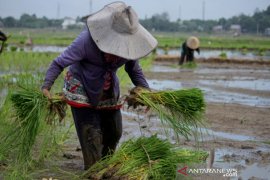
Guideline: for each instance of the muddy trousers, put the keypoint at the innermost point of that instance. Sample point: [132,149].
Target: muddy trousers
[98,131]
[189,56]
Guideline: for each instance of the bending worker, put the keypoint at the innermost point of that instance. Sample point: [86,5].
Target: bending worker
[3,38]
[113,38]
[188,47]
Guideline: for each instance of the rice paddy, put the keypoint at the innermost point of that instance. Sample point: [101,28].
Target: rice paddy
[38,155]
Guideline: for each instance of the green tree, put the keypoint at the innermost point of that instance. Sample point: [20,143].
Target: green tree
[10,21]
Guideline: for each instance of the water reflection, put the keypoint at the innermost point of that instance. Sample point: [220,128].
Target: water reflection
[40,48]
[231,54]
[255,84]
[164,84]
[218,96]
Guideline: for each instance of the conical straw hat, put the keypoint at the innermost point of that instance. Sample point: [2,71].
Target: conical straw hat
[116,30]
[193,42]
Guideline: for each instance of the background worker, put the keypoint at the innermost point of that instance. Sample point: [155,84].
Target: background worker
[188,47]
[3,38]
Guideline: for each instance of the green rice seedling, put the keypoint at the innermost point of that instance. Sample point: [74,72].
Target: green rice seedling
[181,110]
[31,109]
[244,51]
[25,61]
[223,55]
[260,52]
[189,65]
[144,158]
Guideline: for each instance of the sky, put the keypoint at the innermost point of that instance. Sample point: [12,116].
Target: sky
[185,10]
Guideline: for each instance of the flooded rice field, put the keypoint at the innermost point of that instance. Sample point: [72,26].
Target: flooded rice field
[238,113]
[237,118]
[219,84]
[230,54]
[204,53]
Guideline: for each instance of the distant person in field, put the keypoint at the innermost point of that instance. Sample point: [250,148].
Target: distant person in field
[3,38]
[112,38]
[188,47]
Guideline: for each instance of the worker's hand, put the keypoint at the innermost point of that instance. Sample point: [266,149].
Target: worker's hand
[132,100]
[47,93]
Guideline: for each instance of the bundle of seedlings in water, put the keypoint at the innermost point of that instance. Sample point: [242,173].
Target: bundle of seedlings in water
[181,110]
[144,158]
[31,108]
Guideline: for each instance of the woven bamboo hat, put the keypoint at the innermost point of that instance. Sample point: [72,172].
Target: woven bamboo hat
[193,42]
[116,30]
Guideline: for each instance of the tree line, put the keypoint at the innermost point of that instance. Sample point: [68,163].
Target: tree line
[258,22]
[31,21]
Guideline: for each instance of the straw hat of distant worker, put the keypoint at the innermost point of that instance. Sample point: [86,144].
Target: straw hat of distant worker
[116,30]
[193,42]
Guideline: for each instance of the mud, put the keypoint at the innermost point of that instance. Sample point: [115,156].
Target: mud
[235,54]
[237,120]
[238,111]
[168,59]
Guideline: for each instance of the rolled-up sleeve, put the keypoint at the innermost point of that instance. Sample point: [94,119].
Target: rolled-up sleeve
[135,73]
[74,53]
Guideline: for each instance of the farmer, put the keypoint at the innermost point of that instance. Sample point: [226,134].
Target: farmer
[3,38]
[187,50]
[113,38]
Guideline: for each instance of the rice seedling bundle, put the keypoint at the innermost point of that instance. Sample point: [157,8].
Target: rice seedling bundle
[31,108]
[182,110]
[144,158]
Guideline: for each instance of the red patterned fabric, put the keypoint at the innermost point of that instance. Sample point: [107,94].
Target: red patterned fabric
[76,97]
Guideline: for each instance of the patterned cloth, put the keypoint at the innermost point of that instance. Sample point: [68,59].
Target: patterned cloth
[86,63]
[76,96]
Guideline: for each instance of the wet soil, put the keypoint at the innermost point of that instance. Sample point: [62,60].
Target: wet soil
[237,113]
[237,134]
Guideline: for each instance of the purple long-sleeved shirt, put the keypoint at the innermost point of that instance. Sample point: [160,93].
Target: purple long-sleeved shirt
[87,64]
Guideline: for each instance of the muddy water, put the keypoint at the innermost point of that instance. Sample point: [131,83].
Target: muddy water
[140,119]
[158,68]
[217,83]
[249,86]
[164,84]
[45,48]
[208,134]
[232,158]
[226,71]
[231,54]
[240,82]
[245,160]
[203,53]
[218,96]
